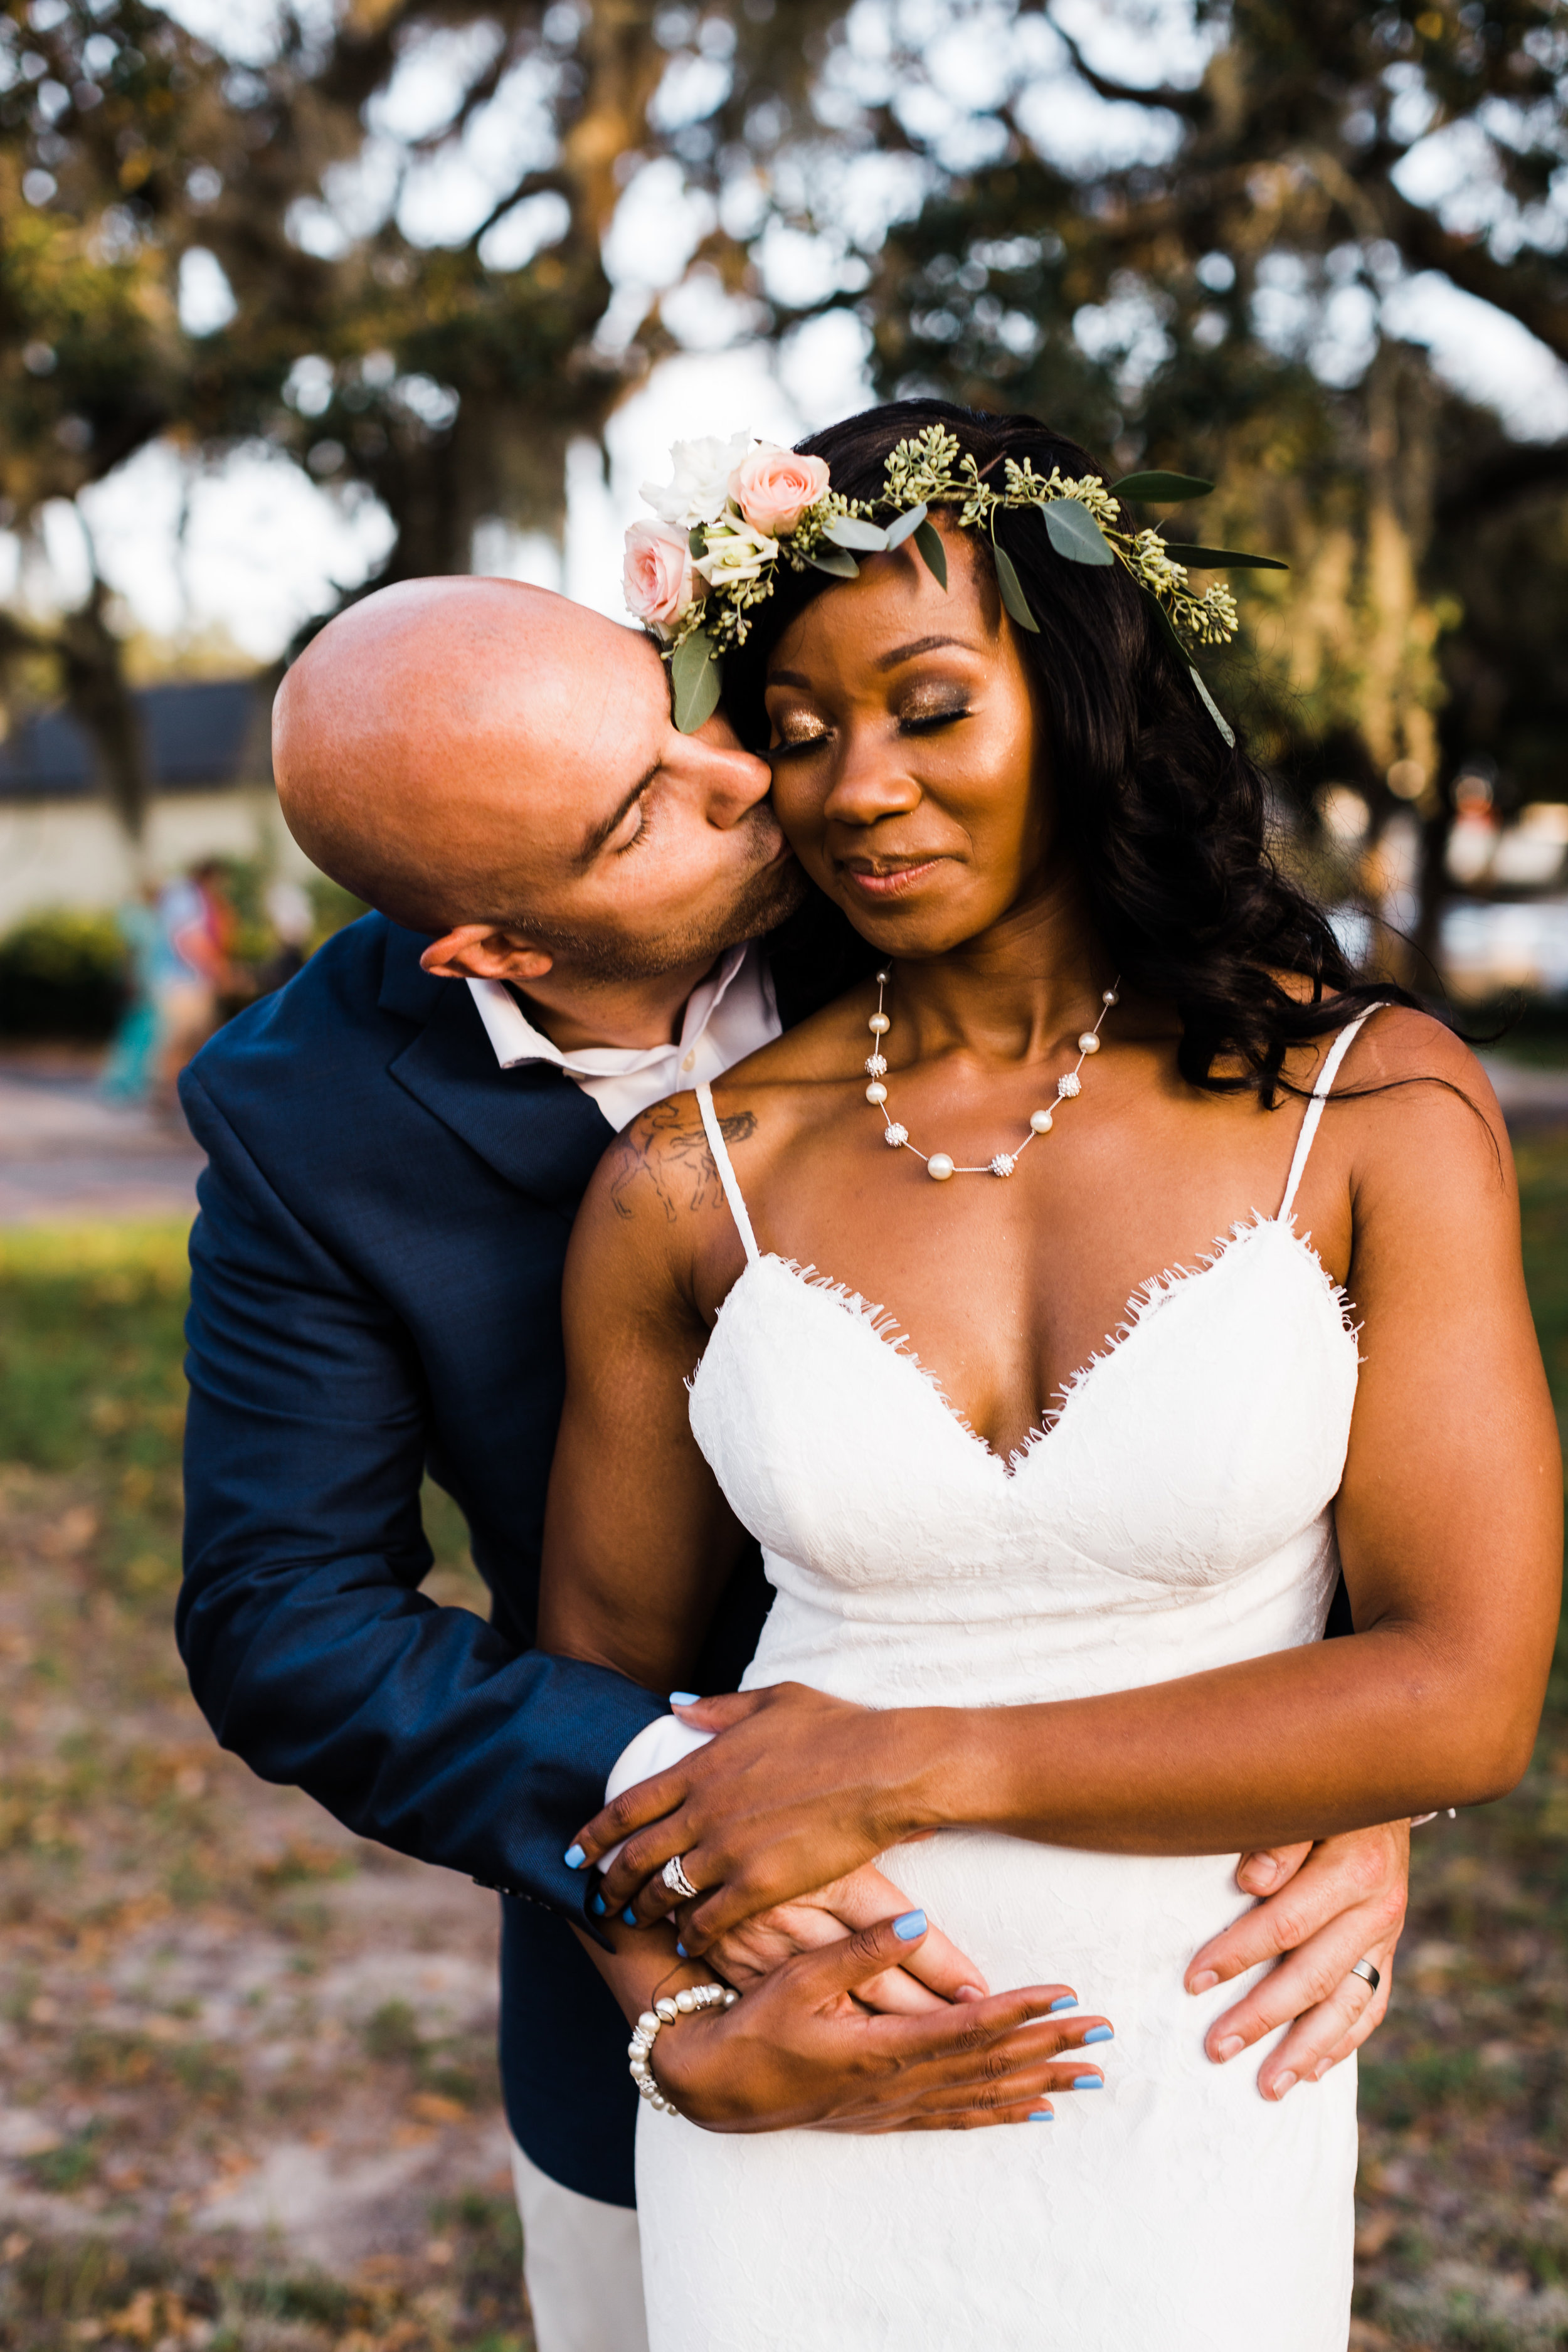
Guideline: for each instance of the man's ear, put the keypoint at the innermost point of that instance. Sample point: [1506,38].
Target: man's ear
[481,952]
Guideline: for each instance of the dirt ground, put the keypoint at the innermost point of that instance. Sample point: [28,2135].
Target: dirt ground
[248,2093]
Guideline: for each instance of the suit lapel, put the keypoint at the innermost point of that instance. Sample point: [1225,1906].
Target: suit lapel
[531,1126]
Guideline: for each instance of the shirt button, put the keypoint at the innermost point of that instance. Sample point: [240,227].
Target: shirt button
[690,1061]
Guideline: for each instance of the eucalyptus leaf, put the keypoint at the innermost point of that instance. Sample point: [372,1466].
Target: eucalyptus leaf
[1167,628]
[1214,709]
[696,541]
[1075,533]
[837,560]
[853,530]
[1162,489]
[900,529]
[1220,559]
[696,677]
[928,538]
[1012,589]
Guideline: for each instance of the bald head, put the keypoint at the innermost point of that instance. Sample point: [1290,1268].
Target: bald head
[417,740]
[476,755]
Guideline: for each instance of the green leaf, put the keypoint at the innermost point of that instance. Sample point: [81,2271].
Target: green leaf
[837,560]
[853,530]
[928,538]
[1213,708]
[1012,589]
[696,541]
[1167,628]
[696,675]
[1075,533]
[1220,559]
[1164,490]
[900,529]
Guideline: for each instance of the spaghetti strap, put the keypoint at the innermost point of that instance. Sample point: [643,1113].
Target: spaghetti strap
[1326,1077]
[715,1145]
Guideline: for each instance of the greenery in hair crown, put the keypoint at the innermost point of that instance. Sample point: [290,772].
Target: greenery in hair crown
[734,510]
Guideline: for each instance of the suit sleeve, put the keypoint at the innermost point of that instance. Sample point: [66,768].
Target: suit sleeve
[310,1648]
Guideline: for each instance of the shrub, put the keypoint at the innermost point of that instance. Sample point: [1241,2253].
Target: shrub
[62,974]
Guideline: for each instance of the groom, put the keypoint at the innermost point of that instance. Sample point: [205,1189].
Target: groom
[581,910]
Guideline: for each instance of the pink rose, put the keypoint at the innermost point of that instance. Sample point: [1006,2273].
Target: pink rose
[773,488]
[657,575]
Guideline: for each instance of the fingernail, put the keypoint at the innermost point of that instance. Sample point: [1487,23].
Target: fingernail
[630,1915]
[680,1951]
[598,1907]
[1320,2069]
[683,1698]
[1282,2082]
[1087,2082]
[970,1993]
[1205,1980]
[574,1857]
[1041,2115]
[912,1924]
[1068,2001]
[1263,1873]
[1099,2034]
[1230,2048]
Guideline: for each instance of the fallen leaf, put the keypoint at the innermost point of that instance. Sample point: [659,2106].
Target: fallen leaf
[431,2108]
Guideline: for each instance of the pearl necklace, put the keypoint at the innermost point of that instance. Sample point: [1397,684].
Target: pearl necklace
[940,1165]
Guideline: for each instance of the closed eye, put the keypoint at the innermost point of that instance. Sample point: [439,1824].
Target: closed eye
[926,723]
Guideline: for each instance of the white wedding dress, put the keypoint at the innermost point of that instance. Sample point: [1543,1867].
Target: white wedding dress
[1175,1515]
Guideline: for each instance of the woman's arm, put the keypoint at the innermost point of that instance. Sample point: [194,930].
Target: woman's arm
[639,1540]
[1449,1521]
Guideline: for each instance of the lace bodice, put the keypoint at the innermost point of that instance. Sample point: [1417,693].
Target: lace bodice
[1174,1513]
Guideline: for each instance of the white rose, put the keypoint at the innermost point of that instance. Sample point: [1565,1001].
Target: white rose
[738,552]
[700,479]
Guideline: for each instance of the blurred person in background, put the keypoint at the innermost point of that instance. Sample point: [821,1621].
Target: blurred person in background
[190,967]
[131,1065]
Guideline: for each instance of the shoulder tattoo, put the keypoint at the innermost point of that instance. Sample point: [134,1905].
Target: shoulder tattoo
[666,1149]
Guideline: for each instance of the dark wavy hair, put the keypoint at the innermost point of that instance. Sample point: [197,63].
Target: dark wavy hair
[1165,820]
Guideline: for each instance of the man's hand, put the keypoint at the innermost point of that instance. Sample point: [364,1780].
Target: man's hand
[1327,1907]
[800,2049]
[933,1974]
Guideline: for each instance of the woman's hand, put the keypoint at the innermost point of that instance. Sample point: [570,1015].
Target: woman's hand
[799,2050]
[797,1790]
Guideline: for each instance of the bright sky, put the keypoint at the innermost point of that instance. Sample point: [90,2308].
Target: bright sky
[257,546]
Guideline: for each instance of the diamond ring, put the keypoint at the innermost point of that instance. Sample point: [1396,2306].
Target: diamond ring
[675,1878]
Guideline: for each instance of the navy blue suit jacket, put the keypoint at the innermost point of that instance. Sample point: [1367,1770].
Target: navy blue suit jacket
[375,1290]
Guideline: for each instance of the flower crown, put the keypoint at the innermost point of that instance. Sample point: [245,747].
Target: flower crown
[733,510]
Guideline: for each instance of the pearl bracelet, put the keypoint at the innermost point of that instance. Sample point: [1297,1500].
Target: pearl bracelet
[651,2024]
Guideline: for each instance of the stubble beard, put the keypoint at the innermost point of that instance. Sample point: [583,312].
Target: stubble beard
[771,894]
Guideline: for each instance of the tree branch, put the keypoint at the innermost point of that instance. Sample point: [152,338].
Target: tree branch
[1189,103]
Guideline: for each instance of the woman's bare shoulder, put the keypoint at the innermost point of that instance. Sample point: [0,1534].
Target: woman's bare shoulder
[1426,1113]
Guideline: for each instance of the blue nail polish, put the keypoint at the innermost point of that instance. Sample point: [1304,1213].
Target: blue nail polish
[912,1924]
[1099,2034]
[1068,2001]
[630,1915]
[574,1857]
[1042,2115]
[683,1698]
[598,1907]
[1087,2083]
[680,1949]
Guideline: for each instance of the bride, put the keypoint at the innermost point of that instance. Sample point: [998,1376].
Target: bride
[1053,1595]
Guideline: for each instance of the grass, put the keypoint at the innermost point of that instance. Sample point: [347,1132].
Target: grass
[1463,2201]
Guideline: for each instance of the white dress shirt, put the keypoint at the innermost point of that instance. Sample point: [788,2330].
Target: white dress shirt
[731,1014]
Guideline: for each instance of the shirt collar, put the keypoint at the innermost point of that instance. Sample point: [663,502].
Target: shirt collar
[516,1042]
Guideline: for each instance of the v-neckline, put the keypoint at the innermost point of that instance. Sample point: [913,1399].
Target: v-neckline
[883,1330]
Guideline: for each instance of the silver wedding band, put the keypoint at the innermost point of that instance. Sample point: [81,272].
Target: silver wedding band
[1364,1970]
[675,1878]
